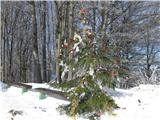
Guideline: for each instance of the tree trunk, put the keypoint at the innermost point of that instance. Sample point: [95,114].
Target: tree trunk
[35,51]
[70,28]
[44,44]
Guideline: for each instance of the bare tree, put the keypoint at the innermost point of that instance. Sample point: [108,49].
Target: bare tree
[38,77]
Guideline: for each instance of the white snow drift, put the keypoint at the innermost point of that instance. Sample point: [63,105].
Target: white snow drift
[139,103]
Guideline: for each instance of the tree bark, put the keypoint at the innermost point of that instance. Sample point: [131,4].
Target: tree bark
[70,27]
[44,44]
[35,51]
[58,43]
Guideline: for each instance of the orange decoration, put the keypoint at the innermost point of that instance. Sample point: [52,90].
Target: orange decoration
[71,40]
[82,12]
[89,34]
[65,45]
[114,74]
[117,61]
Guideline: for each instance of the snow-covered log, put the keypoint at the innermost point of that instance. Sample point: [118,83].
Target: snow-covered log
[52,93]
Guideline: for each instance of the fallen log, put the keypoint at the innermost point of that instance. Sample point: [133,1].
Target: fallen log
[51,93]
[20,85]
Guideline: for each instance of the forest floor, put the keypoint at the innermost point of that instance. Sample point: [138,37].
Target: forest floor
[138,103]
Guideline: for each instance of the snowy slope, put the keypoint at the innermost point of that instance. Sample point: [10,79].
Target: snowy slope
[139,103]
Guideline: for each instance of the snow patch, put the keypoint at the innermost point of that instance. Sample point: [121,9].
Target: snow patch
[139,103]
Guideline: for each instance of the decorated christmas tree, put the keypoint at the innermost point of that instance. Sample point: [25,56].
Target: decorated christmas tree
[94,65]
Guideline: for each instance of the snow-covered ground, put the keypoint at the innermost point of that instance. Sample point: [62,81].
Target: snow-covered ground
[139,103]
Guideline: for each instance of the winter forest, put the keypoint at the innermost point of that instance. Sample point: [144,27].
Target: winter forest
[80,60]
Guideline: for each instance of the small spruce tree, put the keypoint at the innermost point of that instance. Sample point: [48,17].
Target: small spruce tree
[94,66]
